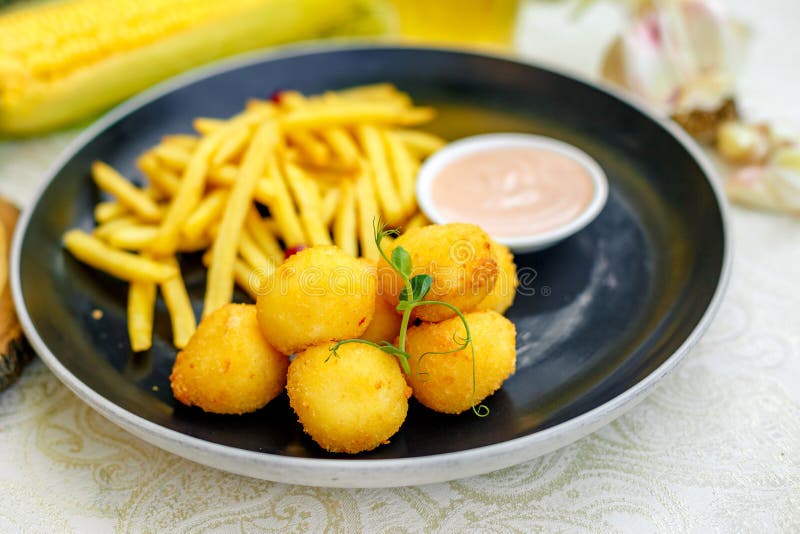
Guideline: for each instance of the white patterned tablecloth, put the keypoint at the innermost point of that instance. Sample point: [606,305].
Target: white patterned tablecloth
[716,447]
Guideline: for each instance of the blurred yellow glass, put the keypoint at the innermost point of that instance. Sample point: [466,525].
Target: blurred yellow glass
[464,22]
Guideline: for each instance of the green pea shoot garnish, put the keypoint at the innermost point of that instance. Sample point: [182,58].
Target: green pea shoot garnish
[415,288]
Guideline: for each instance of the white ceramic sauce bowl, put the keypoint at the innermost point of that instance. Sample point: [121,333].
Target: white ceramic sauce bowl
[434,165]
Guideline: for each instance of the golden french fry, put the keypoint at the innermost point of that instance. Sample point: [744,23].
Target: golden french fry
[208,211]
[345,233]
[173,157]
[115,262]
[232,146]
[184,141]
[312,149]
[262,235]
[194,245]
[188,195]
[109,210]
[282,208]
[271,225]
[127,194]
[418,220]
[378,92]
[179,306]
[206,125]
[405,170]
[219,287]
[346,113]
[141,304]
[421,144]
[132,237]
[306,194]
[160,177]
[250,280]
[367,208]
[329,204]
[106,229]
[342,145]
[386,189]
[250,251]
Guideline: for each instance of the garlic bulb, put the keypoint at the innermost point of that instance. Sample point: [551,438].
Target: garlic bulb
[679,55]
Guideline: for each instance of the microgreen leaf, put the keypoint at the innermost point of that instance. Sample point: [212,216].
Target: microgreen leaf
[420,285]
[401,260]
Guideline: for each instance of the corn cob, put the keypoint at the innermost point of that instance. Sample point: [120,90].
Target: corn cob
[67,60]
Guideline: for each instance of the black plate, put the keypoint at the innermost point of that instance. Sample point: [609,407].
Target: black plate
[600,312]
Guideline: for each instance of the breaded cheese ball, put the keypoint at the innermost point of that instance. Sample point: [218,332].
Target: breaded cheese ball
[459,258]
[443,382]
[351,402]
[317,295]
[227,366]
[501,297]
[385,323]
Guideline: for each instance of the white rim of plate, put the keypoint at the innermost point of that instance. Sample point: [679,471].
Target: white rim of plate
[433,166]
[357,472]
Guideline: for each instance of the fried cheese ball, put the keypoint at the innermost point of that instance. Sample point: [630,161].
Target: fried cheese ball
[459,258]
[385,323]
[227,366]
[317,295]
[443,382]
[350,402]
[501,297]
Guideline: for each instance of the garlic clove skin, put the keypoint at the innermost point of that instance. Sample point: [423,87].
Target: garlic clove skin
[679,55]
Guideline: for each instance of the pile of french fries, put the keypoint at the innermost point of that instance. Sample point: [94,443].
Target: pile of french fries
[325,167]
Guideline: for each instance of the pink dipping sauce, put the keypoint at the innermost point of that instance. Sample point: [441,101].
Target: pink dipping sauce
[513,192]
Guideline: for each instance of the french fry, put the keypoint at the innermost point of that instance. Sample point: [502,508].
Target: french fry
[262,235]
[306,194]
[378,92]
[141,303]
[194,245]
[312,149]
[421,144]
[342,145]
[418,220]
[282,208]
[132,237]
[249,250]
[106,229]
[232,146]
[108,210]
[219,287]
[330,201]
[250,280]
[115,262]
[272,226]
[160,177]
[347,113]
[188,195]
[345,233]
[405,169]
[184,141]
[130,196]
[208,211]
[174,157]
[384,186]
[206,125]
[367,208]
[179,306]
